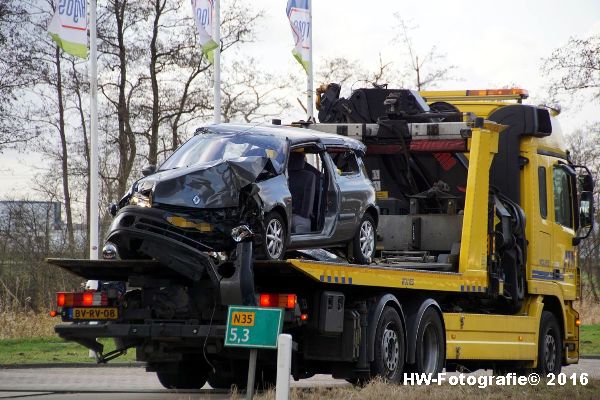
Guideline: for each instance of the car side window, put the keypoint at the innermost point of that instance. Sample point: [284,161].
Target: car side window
[563,209]
[345,161]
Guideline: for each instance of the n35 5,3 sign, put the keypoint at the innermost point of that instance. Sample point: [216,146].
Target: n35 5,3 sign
[253,327]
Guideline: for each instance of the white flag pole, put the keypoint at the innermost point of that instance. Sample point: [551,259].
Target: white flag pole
[217,62]
[309,83]
[93,228]
[93,136]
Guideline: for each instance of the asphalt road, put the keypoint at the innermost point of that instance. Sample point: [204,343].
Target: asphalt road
[108,383]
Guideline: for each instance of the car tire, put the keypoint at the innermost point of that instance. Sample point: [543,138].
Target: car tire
[363,243]
[274,240]
[549,346]
[390,348]
[182,375]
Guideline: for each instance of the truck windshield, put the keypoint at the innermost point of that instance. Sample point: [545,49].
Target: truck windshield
[210,147]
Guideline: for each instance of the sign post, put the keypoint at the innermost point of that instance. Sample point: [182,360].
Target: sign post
[254,328]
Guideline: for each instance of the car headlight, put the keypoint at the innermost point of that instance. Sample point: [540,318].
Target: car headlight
[109,251]
[241,232]
[138,199]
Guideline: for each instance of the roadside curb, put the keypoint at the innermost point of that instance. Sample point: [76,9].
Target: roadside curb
[127,365]
[73,365]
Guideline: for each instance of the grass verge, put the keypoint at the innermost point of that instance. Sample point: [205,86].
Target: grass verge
[590,340]
[51,350]
[379,390]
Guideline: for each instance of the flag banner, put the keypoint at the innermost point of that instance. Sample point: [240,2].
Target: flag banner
[203,16]
[68,26]
[298,12]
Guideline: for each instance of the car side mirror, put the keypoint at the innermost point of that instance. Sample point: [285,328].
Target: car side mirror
[148,170]
[112,209]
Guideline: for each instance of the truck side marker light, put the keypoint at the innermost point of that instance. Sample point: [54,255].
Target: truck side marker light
[578,322]
[53,313]
[304,317]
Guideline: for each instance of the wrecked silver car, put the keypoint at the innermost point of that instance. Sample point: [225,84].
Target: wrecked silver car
[288,188]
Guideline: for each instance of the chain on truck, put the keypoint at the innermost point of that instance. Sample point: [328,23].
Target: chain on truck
[481,211]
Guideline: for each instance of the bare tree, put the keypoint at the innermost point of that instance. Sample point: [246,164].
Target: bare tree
[584,145]
[17,66]
[250,95]
[427,67]
[575,67]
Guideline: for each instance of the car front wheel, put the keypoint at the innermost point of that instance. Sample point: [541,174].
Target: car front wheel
[363,244]
[274,237]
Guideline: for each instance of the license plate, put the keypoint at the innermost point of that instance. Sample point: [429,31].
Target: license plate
[242,318]
[94,314]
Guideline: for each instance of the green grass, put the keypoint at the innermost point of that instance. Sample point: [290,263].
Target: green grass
[51,350]
[590,340]
[55,350]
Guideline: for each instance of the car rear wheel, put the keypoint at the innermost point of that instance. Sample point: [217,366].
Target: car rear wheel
[363,244]
[274,237]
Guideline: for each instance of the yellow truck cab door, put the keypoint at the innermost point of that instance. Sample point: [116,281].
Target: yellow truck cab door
[562,210]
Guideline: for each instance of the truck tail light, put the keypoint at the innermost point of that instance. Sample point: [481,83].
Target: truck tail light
[278,300]
[85,299]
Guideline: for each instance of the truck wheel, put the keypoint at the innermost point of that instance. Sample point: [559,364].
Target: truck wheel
[390,348]
[549,345]
[430,354]
[363,244]
[218,381]
[274,237]
[264,379]
[182,375]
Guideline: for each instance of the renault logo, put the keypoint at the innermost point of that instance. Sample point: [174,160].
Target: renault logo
[196,199]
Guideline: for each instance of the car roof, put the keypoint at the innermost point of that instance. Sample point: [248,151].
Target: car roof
[293,134]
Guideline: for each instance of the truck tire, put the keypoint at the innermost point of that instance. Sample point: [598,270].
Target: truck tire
[274,240]
[363,243]
[549,345]
[390,347]
[182,375]
[265,379]
[430,351]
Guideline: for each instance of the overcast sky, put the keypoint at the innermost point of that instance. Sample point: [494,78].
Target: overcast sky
[493,44]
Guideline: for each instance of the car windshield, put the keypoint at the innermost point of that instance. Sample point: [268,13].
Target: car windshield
[208,147]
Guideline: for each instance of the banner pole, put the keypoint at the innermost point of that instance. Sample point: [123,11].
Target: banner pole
[93,135]
[93,228]
[217,63]
[309,83]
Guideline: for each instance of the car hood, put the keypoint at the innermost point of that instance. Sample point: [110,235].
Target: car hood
[212,185]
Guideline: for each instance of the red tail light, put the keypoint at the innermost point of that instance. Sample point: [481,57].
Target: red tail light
[88,299]
[60,299]
[277,300]
[85,299]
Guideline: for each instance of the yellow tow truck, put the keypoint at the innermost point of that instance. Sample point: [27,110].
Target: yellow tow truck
[480,214]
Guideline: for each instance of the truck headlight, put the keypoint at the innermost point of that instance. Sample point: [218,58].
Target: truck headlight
[241,232]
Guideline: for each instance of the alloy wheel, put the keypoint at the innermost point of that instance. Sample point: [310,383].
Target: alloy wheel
[274,239]
[367,239]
